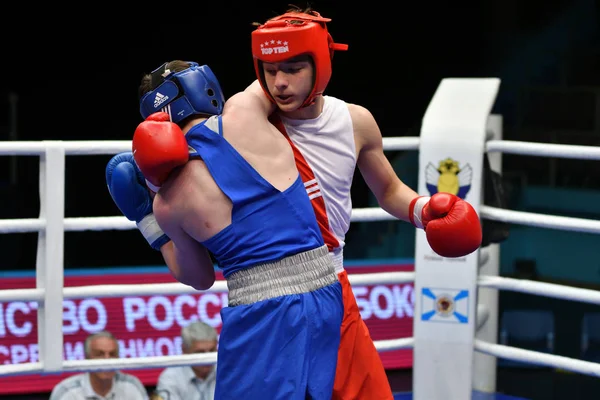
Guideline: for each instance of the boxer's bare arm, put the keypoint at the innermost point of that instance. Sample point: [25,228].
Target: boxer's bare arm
[256,90]
[187,259]
[392,194]
[246,109]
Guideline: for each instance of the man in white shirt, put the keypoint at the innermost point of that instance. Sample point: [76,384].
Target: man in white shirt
[101,385]
[191,382]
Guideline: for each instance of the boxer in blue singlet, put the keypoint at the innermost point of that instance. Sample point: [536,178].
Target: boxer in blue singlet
[225,182]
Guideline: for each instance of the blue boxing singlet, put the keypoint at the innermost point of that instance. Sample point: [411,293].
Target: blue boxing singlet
[267,224]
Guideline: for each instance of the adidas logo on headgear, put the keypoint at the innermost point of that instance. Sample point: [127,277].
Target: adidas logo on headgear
[159,99]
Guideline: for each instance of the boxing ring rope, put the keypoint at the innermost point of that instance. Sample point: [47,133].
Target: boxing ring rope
[100,291]
[52,154]
[359,215]
[537,358]
[50,268]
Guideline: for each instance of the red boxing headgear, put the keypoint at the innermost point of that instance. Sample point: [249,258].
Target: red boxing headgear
[290,35]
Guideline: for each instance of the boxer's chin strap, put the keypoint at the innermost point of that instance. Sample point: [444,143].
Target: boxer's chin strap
[416,217]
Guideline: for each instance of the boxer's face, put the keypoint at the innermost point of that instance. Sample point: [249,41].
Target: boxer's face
[289,82]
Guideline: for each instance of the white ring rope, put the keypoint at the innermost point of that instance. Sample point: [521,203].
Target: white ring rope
[72,147]
[540,288]
[358,215]
[401,143]
[540,220]
[106,147]
[117,290]
[121,223]
[363,214]
[495,282]
[158,361]
[109,364]
[394,344]
[544,149]
[538,358]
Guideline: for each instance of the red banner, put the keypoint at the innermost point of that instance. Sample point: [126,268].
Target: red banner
[151,325]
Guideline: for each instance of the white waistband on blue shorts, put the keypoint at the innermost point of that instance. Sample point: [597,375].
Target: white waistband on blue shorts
[300,273]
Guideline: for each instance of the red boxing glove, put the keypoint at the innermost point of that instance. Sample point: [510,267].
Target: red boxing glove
[451,224]
[159,146]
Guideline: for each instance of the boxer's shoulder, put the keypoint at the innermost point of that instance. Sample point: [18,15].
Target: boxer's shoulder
[366,130]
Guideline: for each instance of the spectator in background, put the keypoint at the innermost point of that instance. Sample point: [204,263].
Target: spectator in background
[101,385]
[191,382]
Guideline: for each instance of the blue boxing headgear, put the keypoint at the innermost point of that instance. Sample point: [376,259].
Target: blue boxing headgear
[194,90]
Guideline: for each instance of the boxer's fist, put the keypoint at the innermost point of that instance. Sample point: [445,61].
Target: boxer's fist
[452,226]
[127,187]
[159,146]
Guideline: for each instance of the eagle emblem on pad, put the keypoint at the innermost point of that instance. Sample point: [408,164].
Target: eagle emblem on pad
[448,177]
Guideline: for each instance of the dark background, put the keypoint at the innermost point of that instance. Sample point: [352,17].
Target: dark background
[73,72]
[76,74]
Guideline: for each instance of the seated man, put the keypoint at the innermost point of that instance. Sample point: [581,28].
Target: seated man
[102,384]
[191,382]
[230,186]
